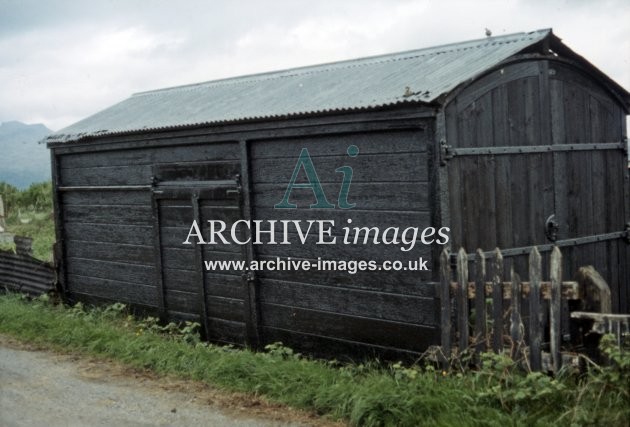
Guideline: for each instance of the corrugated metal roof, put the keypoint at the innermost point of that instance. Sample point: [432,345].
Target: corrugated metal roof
[414,76]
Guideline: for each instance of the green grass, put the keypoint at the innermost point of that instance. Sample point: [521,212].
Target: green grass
[366,394]
[41,230]
[35,206]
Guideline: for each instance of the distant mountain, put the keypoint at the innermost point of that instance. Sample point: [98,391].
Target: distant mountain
[23,160]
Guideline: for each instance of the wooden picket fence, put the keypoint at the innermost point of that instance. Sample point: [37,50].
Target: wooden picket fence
[521,317]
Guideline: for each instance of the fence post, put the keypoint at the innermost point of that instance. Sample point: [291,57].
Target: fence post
[595,290]
[445,303]
[480,301]
[462,299]
[497,301]
[534,309]
[554,307]
[515,318]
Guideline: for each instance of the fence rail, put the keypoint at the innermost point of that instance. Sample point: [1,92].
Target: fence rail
[480,310]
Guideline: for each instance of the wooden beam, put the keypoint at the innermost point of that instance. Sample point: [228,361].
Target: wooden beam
[570,289]
[535,311]
[555,326]
[480,302]
[445,305]
[252,303]
[497,302]
[462,299]
[594,290]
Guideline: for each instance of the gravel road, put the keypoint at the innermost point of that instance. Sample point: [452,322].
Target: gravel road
[39,388]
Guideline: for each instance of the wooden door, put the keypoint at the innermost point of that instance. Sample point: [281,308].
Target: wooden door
[192,287]
[535,155]
[500,173]
[590,181]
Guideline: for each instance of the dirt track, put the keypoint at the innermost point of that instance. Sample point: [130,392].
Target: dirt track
[39,388]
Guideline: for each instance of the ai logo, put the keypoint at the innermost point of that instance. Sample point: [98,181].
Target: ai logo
[305,162]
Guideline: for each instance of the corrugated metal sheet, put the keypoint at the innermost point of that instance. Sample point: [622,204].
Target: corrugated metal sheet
[414,76]
[22,273]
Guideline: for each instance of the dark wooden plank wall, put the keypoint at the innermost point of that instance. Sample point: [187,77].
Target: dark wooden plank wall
[584,112]
[328,311]
[109,243]
[109,251]
[504,200]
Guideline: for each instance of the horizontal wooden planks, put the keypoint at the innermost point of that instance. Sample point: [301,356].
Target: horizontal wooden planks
[218,307]
[174,237]
[148,156]
[108,214]
[113,290]
[305,322]
[225,290]
[335,299]
[403,196]
[394,167]
[392,141]
[135,166]
[217,283]
[339,251]
[337,348]
[106,197]
[224,285]
[131,254]
[181,215]
[106,175]
[109,233]
[358,217]
[397,282]
[226,331]
[131,273]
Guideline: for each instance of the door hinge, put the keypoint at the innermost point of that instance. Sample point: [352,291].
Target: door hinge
[248,276]
[239,186]
[445,152]
[626,233]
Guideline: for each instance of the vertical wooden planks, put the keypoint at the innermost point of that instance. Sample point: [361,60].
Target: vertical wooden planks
[554,307]
[501,191]
[535,332]
[497,302]
[516,329]
[252,303]
[445,305]
[59,250]
[157,248]
[442,178]
[624,265]
[462,299]
[480,301]
[199,270]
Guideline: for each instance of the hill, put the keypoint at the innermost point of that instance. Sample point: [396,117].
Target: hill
[23,160]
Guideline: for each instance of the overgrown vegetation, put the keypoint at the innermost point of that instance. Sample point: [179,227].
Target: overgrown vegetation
[371,394]
[30,213]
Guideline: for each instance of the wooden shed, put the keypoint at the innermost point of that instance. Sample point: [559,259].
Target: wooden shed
[508,141]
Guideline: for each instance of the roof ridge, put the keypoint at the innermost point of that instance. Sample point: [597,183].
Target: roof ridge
[344,64]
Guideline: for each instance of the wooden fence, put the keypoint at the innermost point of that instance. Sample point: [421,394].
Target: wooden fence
[482,311]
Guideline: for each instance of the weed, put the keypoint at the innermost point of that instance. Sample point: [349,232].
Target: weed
[29,214]
[371,394]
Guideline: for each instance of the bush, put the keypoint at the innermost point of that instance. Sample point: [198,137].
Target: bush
[35,206]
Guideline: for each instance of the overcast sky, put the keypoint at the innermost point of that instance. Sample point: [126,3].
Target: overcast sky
[61,61]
